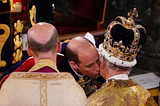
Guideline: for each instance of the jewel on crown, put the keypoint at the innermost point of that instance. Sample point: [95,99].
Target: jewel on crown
[116,48]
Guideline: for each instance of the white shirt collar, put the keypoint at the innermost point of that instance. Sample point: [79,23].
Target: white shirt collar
[75,71]
[119,77]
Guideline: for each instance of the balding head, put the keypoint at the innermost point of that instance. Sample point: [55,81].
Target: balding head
[78,45]
[83,57]
[42,37]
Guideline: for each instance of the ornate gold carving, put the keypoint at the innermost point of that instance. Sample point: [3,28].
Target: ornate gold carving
[15,7]
[17,41]
[32,13]
[18,27]
[17,55]
[3,39]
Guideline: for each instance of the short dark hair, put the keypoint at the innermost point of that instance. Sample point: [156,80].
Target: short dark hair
[48,46]
[72,55]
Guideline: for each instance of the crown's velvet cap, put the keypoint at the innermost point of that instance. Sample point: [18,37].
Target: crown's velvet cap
[123,40]
[119,32]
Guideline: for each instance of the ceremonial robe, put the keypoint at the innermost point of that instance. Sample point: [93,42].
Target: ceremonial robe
[41,86]
[121,92]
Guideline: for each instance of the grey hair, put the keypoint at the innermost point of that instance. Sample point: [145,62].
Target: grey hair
[112,67]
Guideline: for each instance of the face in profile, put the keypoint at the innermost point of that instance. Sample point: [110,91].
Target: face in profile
[89,63]
[103,66]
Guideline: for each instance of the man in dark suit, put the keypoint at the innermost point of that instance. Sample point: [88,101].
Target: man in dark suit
[82,61]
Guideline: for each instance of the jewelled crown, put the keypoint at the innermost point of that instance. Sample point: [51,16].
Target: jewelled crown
[123,40]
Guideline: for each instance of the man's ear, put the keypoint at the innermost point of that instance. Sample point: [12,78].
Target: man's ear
[29,51]
[59,47]
[73,65]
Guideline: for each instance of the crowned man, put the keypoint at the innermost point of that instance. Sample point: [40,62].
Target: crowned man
[123,40]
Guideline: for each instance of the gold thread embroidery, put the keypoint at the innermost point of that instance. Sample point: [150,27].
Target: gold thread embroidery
[43,92]
[40,76]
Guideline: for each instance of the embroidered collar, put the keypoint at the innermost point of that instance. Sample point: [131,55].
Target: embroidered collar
[120,77]
[80,76]
[42,63]
[116,77]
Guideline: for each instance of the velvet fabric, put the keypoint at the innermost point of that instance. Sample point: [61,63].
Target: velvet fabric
[120,33]
[14,1]
[45,70]
[126,35]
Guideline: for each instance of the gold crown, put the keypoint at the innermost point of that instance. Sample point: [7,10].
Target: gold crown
[117,49]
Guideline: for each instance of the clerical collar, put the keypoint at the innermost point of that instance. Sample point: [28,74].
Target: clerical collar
[119,77]
[79,75]
[43,63]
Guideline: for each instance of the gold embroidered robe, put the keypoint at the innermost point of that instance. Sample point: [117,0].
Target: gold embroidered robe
[121,93]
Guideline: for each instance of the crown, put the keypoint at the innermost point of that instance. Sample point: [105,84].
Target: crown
[123,40]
